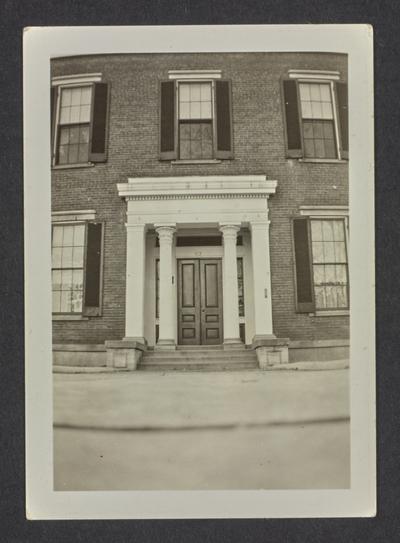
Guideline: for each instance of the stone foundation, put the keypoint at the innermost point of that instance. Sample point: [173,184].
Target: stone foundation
[271,352]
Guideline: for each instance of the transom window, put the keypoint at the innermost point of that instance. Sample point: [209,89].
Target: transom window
[68,243]
[329,262]
[317,120]
[74,125]
[195,120]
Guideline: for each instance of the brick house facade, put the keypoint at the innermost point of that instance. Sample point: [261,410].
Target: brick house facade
[271,142]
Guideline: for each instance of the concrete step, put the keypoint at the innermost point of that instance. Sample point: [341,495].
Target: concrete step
[215,359]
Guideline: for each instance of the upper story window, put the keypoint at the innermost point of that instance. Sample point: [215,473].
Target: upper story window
[79,120]
[195,116]
[316,116]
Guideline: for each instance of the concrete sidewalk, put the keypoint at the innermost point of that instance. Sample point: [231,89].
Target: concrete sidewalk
[199,431]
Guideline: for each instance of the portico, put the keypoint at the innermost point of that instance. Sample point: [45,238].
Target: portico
[186,237]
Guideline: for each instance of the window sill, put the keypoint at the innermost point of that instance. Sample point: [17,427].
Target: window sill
[324,160]
[72,166]
[69,318]
[207,161]
[331,313]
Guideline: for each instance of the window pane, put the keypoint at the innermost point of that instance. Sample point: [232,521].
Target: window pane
[319,148]
[320,299]
[325,92]
[56,279]
[195,92]
[341,274]
[77,257]
[196,152]
[65,115]
[184,110]
[330,274]
[318,251]
[195,110]
[63,154]
[84,134]
[338,230]
[340,250]
[185,149]
[319,274]
[77,279]
[205,92]
[56,257]
[84,116]
[316,109]
[56,301]
[318,130]
[329,252]
[184,92]
[66,280]
[76,301]
[74,115]
[327,230]
[86,95]
[64,135]
[306,110]
[305,91]
[327,110]
[330,149]
[309,149]
[66,306]
[66,257]
[57,236]
[315,92]
[316,230]
[330,297]
[76,96]
[66,97]
[205,110]
[342,297]
[83,153]
[73,154]
[74,134]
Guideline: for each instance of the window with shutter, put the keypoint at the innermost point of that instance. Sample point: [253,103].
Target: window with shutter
[321,264]
[77,252]
[316,121]
[79,123]
[195,120]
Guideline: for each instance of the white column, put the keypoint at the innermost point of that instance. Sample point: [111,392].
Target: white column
[167,324]
[135,282]
[262,280]
[230,285]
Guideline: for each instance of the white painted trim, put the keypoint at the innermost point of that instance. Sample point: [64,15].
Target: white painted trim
[324,211]
[76,215]
[194,74]
[203,186]
[314,74]
[76,79]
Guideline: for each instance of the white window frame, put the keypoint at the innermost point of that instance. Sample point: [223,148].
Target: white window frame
[322,77]
[64,82]
[325,213]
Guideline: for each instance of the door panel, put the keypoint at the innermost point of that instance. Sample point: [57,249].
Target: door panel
[188,302]
[199,302]
[211,301]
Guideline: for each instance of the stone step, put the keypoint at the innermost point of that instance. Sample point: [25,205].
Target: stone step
[200,354]
[215,366]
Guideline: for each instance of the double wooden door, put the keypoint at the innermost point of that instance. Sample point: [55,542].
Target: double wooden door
[200,301]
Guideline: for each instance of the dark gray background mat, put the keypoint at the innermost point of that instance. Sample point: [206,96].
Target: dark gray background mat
[385,18]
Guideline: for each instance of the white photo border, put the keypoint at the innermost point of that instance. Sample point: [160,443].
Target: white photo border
[40,44]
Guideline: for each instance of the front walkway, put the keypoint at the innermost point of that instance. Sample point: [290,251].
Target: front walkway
[219,430]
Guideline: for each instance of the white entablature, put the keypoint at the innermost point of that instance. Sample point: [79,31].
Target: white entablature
[239,199]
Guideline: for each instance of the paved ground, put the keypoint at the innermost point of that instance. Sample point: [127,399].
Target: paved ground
[219,430]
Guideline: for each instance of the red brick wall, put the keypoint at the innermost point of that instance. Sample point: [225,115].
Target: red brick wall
[258,149]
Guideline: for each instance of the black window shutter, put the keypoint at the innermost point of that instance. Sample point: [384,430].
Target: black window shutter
[98,136]
[224,128]
[292,117]
[53,114]
[93,269]
[304,281]
[341,93]
[168,120]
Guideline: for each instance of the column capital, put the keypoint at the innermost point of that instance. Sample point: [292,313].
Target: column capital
[165,232]
[229,231]
[135,226]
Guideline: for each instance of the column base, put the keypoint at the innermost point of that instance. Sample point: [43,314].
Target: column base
[165,345]
[271,351]
[232,343]
[125,354]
